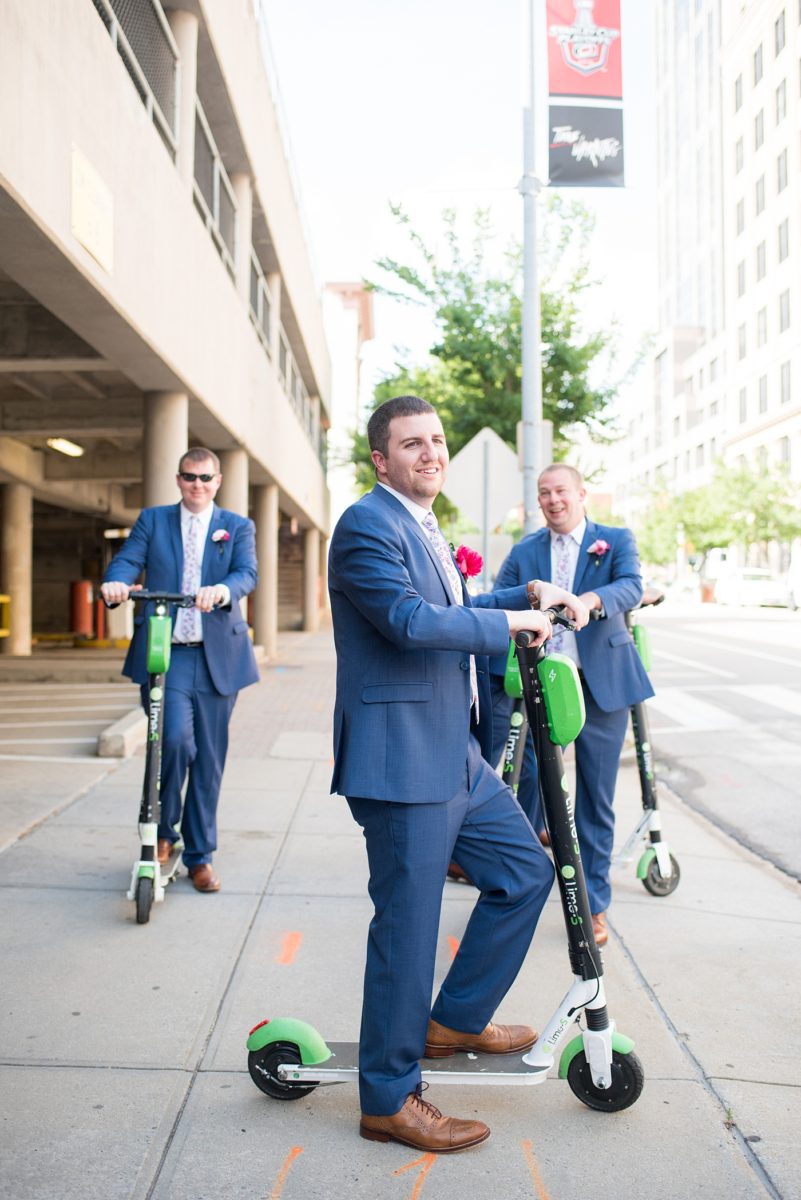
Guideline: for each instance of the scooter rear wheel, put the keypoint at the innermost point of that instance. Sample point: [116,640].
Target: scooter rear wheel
[263,1066]
[659,885]
[628,1078]
[144,899]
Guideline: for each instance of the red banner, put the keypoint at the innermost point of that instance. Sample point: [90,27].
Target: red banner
[584,56]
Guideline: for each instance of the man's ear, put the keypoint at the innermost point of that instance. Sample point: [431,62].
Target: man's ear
[379,462]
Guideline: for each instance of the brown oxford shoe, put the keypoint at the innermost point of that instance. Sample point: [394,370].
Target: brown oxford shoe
[164,850]
[495,1039]
[423,1127]
[204,879]
[599,929]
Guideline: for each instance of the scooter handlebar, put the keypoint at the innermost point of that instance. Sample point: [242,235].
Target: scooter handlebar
[181,599]
[525,637]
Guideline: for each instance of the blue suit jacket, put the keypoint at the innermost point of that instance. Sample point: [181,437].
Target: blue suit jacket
[155,547]
[610,663]
[402,716]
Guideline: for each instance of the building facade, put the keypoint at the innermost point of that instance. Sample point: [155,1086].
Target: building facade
[156,291]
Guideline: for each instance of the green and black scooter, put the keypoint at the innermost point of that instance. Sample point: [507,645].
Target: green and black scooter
[149,878]
[288,1058]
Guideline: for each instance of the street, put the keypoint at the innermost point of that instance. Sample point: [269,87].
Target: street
[724,721]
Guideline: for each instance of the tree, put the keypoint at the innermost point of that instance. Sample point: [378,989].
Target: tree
[473,373]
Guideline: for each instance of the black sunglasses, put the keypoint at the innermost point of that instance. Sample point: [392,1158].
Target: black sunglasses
[190,477]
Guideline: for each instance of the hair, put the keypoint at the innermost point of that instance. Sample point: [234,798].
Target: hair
[578,478]
[196,454]
[398,406]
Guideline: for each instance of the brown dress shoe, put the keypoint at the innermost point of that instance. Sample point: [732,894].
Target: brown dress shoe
[456,873]
[423,1127]
[164,850]
[204,879]
[495,1039]
[599,929]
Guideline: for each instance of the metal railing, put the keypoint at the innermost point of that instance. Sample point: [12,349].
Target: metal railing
[139,31]
[260,307]
[212,191]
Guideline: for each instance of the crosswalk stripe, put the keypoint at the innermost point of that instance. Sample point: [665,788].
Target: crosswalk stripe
[692,713]
[775,697]
[697,666]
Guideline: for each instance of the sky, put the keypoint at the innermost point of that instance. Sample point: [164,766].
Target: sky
[420,102]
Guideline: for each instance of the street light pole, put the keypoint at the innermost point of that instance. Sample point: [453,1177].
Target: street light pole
[529,188]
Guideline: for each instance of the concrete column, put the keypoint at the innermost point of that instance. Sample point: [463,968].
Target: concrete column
[243,192]
[184,26]
[265,599]
[311,580]
[16,564]
[233,493]
[164,440]
[274,288]
[325,602]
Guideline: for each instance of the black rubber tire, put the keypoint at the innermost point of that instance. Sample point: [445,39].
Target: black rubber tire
[656,884]
[144,899]
[263,1064]
[628,1078]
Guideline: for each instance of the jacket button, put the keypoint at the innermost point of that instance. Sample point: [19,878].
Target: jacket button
[465,665]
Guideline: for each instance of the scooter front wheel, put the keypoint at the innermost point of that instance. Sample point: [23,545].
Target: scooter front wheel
[263,1067]
[144,899]
[661,885]
[628,1078]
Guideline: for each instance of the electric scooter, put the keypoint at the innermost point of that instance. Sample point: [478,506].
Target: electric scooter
[657,868]
[288,1058]
[149,878]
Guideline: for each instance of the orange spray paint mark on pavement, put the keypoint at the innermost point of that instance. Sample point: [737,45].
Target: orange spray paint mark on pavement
[289,948]
[531,1163]
[453,946]
[278,1186]
[425,1163]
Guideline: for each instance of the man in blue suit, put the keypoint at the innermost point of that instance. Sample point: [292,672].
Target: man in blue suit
[412,718]
[600,563]
[200,549]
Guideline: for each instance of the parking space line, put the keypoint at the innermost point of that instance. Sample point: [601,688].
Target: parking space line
[280,1179]
[531,1163]
[289,948]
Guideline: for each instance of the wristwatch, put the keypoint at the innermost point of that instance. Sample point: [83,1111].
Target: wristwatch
[531,590]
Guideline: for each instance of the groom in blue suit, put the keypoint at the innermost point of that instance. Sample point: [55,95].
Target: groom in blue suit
[200,549]
[600,564]
[412,723]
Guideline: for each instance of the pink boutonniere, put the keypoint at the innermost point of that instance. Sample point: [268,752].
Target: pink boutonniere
[599,548]
[469,562]
[221,536]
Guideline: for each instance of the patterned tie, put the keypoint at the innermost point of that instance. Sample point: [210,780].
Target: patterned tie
[187,624]
[435,536]
[562,579]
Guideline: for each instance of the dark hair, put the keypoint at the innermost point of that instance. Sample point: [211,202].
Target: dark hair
[196,454]
[398,406]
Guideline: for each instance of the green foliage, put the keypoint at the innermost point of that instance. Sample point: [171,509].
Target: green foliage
[473,374]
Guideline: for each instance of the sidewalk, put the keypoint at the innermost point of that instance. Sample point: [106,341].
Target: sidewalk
[122,1050]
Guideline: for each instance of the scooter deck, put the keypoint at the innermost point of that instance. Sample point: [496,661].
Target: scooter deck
[458,1068]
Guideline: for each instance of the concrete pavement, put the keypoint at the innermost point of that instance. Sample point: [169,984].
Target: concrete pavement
[122,1057]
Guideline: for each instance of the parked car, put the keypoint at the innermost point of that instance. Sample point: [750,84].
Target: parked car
[753,585]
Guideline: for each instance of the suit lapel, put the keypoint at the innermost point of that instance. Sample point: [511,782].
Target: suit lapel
[215,523]
[176,541]
[590,534]
[542,554]
[385,497]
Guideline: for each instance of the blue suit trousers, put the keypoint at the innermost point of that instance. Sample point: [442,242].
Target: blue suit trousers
[195,743]
[409,847]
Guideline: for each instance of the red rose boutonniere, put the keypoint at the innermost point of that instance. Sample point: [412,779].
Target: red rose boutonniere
[469,562]
[599,548]
[221,536]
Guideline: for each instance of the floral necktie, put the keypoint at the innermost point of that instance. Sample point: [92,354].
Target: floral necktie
[435,536]
[187,623]
[562,579]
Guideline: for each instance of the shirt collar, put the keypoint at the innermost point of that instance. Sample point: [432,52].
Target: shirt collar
[204,517]
[417,511]
[576,534]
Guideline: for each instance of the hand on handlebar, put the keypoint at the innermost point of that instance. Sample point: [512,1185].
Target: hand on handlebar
[551,596]
[209,598]
[114,593]
[532,621]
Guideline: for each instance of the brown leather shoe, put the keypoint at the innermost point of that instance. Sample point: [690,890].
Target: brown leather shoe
[164,850]
[204,879]
[456,873]
[423,1127]
[599,929]
[496,1039]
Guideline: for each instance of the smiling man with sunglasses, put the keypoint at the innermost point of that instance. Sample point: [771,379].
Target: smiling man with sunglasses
[200,549]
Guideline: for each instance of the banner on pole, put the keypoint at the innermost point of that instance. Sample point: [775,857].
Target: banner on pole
[585,64]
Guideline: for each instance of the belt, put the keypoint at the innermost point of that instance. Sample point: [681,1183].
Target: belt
[188,645]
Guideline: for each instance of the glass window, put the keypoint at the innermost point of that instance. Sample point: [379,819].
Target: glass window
[784,451]
[784,378]
[758,63]
[759,128]
[762,326]
[743,406]
[762,458]
[759,194]
[740,216]
[713,409]
[781,101]
[741,342]
[779,34]
[738,155]
[784,239]
[781,171]
[699,456]
[738,93]
[784,311]
[763,393]
[713,370]
[741,279]
[760,261]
